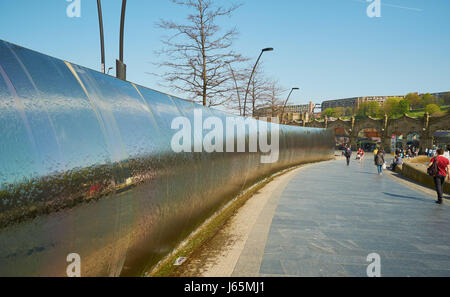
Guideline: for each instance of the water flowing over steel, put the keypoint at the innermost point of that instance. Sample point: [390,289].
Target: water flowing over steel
[86,167]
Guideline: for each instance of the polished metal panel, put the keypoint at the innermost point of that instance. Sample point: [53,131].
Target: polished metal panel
[86,167]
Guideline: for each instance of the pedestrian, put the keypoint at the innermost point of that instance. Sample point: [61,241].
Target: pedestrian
[443,169]
[361,154]
[447,152]
[397,161]
[379,162]
[348,154]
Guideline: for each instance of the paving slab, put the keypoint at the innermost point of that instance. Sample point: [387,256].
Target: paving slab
[330,217]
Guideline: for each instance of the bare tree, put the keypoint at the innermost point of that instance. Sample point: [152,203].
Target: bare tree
[198,54]
[274,101]
[263,93]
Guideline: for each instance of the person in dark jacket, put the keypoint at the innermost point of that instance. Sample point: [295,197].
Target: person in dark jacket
[348,154]
[379,161]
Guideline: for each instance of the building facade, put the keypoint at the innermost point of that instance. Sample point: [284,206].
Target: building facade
[289,109]
[355,102]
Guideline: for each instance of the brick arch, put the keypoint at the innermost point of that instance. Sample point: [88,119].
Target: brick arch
[341,124]
[405,125]
[368,123]
[425,127]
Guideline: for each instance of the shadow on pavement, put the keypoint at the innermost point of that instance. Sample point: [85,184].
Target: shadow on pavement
[408,197]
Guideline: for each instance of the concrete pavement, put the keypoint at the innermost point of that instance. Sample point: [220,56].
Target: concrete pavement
[330,217]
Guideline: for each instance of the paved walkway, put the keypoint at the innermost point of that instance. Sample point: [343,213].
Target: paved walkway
[330,217]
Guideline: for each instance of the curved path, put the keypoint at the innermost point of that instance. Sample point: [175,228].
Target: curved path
[325,219]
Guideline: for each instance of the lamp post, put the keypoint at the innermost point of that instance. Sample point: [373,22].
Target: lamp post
[285,103]
[237,88]
[121,68]
[102,40]
[269,49]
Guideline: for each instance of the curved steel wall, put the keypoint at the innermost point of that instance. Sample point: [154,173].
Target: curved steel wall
[86,167]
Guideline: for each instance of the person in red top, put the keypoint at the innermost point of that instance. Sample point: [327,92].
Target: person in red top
[443,171]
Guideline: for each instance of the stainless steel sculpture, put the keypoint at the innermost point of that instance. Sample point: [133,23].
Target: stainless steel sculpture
[86,167]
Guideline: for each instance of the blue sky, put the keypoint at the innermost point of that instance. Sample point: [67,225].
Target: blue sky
[329,48]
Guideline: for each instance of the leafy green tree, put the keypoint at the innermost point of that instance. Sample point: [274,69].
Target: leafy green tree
[349,111]
[373,108]
[392,106]
[362,110]
[329,112]
[432,109]
[428,99]
[403,106]
[415,101]
[338,112]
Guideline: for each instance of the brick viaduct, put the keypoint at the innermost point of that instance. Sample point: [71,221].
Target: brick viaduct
[425,127]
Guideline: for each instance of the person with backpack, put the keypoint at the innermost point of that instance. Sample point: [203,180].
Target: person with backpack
[379,161]
[439,168]
[348,154]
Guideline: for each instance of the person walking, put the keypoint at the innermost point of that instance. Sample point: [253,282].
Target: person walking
[379,161]
[348,154]
[443,171]
[361,154]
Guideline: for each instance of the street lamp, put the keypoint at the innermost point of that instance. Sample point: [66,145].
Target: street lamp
[121,68]
[237,88]
[285,103]
[269,49]
[102,42]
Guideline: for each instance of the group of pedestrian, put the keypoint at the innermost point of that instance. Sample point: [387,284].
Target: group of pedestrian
[438,167]
[410,152]
[431,152]
[378,159]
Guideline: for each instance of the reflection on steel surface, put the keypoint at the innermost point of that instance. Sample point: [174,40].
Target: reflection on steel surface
[86,167]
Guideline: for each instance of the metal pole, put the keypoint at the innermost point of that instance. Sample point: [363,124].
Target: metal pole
[237,89]
[251,76]
[121,68]
[285,103]
[102,40]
